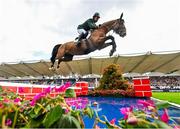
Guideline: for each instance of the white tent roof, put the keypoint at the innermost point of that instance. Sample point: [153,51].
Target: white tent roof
[166,63]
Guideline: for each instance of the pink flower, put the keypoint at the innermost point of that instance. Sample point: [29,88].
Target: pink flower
[60,89]
[63,87]
[176,127]
[165,116]
[113,121]
[145,103]
[125,111]
[68,84]
[6,100]
[8,122]
[33,102]
[97,127]
[17,100]
[1,105]
[21,89]
[47,90]
[38,96]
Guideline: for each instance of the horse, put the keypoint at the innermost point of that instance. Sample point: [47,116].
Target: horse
[97,40]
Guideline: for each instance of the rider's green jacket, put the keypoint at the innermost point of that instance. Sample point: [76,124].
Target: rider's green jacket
[88,25]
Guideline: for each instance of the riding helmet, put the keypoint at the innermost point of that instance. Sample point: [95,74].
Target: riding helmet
[96,15]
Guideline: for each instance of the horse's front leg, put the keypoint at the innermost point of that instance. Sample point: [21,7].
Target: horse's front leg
[112,43]
[105,45]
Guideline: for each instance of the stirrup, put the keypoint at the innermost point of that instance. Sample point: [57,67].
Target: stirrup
[76,38]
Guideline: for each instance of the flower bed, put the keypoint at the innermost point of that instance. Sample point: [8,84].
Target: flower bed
[46,112]
[114,93]
[144,115]
[41,112]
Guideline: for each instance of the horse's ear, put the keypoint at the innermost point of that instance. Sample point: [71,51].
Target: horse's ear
[121,16]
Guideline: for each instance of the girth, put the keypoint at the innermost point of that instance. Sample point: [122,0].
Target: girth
[90,46]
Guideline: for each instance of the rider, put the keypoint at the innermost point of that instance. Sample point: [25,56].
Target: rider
[83,29]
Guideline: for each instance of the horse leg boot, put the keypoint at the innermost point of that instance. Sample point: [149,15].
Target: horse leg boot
[113,43]
[113,49]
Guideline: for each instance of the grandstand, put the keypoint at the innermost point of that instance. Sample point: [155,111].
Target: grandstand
[163,68]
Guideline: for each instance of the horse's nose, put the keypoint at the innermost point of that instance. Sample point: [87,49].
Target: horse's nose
[123,34]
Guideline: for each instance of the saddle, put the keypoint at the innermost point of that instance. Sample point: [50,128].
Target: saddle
[89,46]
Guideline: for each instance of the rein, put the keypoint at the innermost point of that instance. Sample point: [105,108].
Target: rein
[111,27]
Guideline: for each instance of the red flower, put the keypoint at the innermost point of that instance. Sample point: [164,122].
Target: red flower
[113,121]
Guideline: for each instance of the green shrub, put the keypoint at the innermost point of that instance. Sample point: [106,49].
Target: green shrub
[70,93]
[112,78]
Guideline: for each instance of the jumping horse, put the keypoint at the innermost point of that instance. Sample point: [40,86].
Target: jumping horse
[97,40]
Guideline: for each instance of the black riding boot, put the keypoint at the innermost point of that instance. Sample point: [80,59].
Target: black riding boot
[79,39]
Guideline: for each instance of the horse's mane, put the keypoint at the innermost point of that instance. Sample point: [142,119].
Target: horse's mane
[107,23]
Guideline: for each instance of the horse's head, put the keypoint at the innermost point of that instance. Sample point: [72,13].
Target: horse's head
[119,27]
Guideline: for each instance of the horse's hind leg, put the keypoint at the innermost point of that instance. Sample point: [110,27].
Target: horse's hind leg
[54,53]
[52,62]
[60,55]
[67,57]
[59,61]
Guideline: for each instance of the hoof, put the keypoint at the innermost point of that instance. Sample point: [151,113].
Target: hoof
[52,68]
[111,53]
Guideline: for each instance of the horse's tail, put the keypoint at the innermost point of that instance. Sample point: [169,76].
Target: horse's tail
[54,53]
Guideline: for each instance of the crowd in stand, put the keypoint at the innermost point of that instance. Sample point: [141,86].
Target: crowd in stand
[165,82]
[157,82]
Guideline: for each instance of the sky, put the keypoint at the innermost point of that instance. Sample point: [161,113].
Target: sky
[29,29]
